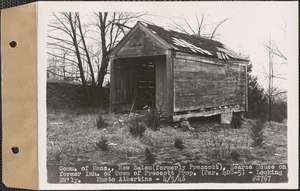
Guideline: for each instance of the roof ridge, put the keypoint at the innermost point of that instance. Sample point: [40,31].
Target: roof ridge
[190,35]
[196,44]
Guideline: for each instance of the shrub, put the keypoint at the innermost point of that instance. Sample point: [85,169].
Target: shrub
[149,156]
[153,119]
[102,144]
[257,100]
[136,126]
[279,111]
[221,149]
[58,156]
[101,123]
[179,143]
[236,121]
[235,155]
[257,133]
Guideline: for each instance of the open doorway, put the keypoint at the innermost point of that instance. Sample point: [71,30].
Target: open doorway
[144,84]
[137,82]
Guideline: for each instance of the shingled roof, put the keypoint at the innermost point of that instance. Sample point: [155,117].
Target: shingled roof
[194,44]
[184,43]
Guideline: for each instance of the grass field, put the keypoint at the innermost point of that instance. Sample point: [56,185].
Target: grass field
[72,136]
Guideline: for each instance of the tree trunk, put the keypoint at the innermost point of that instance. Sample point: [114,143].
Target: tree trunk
[94,101]
[74,39]
[104,61]
[270,82]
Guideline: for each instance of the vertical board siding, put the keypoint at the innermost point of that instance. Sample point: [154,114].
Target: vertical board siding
[161,84]
[170,76]
[123,85]
[112,84]
[200,85]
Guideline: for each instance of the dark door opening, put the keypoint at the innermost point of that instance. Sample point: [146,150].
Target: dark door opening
[123,85]
[145,84]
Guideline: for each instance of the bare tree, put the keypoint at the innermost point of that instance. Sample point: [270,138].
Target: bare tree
[203,28]
[112,26]
[68,33]
[274,65]
[273,48]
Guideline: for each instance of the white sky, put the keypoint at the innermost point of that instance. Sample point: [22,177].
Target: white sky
[250,26]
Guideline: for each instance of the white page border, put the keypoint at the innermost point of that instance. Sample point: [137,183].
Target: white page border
[45,8]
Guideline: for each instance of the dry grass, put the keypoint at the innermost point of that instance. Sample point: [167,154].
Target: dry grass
[72,138]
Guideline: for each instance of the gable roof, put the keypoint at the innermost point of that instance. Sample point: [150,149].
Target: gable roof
[183,43]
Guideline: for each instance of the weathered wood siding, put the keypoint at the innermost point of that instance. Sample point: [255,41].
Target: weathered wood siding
[127,82]
[141,44]
[161,84]
[200,85]
[123,86]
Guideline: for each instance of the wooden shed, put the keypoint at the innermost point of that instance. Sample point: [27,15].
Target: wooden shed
[184,76]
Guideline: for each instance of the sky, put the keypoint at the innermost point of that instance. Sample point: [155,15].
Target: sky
[250,26]
[248,29]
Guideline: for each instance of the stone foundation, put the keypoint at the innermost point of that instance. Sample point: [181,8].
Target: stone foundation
[226,118]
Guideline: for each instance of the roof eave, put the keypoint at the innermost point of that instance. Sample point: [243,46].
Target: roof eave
[123,41]
[156,37]
[127,37]
[242,61]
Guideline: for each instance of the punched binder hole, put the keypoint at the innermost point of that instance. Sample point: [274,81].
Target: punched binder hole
[13,44]
[15,150]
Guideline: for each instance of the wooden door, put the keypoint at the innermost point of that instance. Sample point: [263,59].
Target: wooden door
[124,86]
[145,84]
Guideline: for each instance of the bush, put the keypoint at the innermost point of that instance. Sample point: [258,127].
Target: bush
[153,119]
[149,156]
[101,123]
[221,149]
[235,155]
[102,144]
[257,133]
[257,100]
[279,111]
[136,126]
[179,143]
[236,121]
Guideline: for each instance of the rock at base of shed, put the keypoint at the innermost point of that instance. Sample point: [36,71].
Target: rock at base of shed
[185,124]
[226,118]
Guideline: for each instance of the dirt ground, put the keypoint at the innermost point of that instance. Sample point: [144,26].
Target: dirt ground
[72,136]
